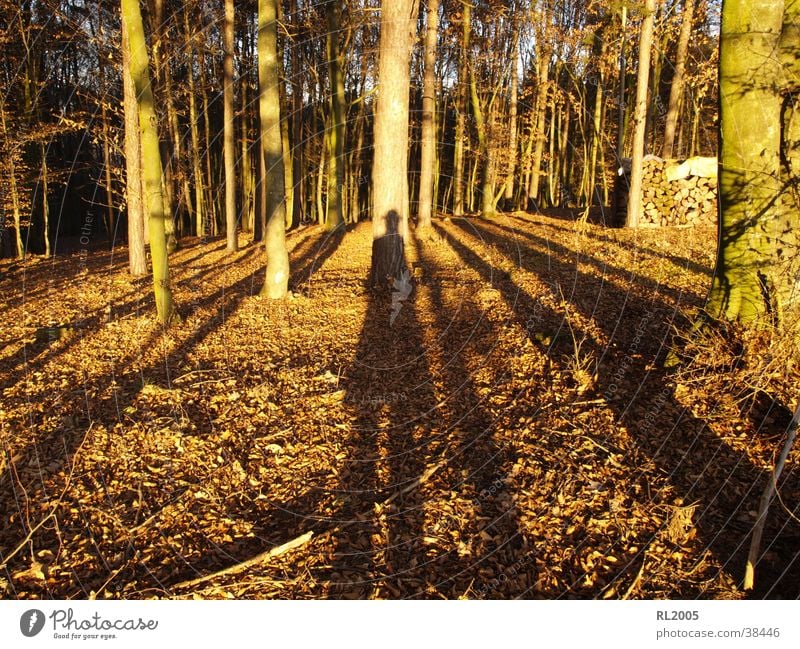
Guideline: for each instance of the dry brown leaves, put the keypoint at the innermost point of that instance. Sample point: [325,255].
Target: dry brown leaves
[510,435]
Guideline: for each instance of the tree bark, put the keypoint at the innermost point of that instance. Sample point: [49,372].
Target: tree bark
[151,157]
[428,136]
[676,89]
[745,283]
[461,112]
[199,207]
[229,135]
[277,273]
[512,124]
[137,256]
[390,163]
[640,118]
[334,217]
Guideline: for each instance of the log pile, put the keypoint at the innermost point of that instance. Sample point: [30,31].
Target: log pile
[688,199]
[691,200]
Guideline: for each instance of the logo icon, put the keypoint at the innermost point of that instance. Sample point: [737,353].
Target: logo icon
[31,622]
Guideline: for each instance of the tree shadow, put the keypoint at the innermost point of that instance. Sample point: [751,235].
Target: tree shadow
[642,398]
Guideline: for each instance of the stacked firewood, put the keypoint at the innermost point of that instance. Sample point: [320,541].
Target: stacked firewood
[675,194]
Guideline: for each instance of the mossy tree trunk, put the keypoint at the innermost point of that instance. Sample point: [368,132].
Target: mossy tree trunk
[151,159]
[750,280]
[390,164]
[277,274]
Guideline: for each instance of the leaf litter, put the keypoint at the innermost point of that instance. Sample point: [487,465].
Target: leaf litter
[497,426]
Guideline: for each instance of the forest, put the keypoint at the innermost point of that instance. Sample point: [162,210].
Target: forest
[389,299]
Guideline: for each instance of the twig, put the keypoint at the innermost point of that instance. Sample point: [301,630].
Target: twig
[636,579]
[416,483]
[303,538]
[272,552]
[766,498]
[53,508]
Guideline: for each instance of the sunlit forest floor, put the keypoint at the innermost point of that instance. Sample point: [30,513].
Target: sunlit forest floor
[506,430]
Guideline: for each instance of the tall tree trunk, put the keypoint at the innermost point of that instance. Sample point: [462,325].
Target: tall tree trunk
[211,206]
[484,149]
[107,182]
[168,173]
[199,207]
[151,156]
[597,140]
[336,123]
[277,273]
[428,136]
[390,164]
[640,118]
[540,122]
[461,112]
[749,176]
[229,135]
[623,74]
[512,124]
[676,89]
[137,255]
[298,175]
[45,200]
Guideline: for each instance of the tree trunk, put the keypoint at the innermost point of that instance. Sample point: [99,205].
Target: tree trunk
[334,217]
[676,89]
[512,124]
[199,207]
[151,157]
[461,113]
[107,182]
[390,164]
[484,149]
[745,283]
[640,119]
[277,274]
[137,254]
[428,137]
[623,72]
[229,135]
[540,122]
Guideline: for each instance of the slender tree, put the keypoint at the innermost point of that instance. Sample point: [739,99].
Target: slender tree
[462,91]
[676,88]
[390,165]
[336,122]
[229,131]
[269,103]
[137,256]
[508,197]
[151,157]
[640,115]
[428,137]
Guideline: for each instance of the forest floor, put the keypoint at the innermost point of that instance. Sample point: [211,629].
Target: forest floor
[501,429]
